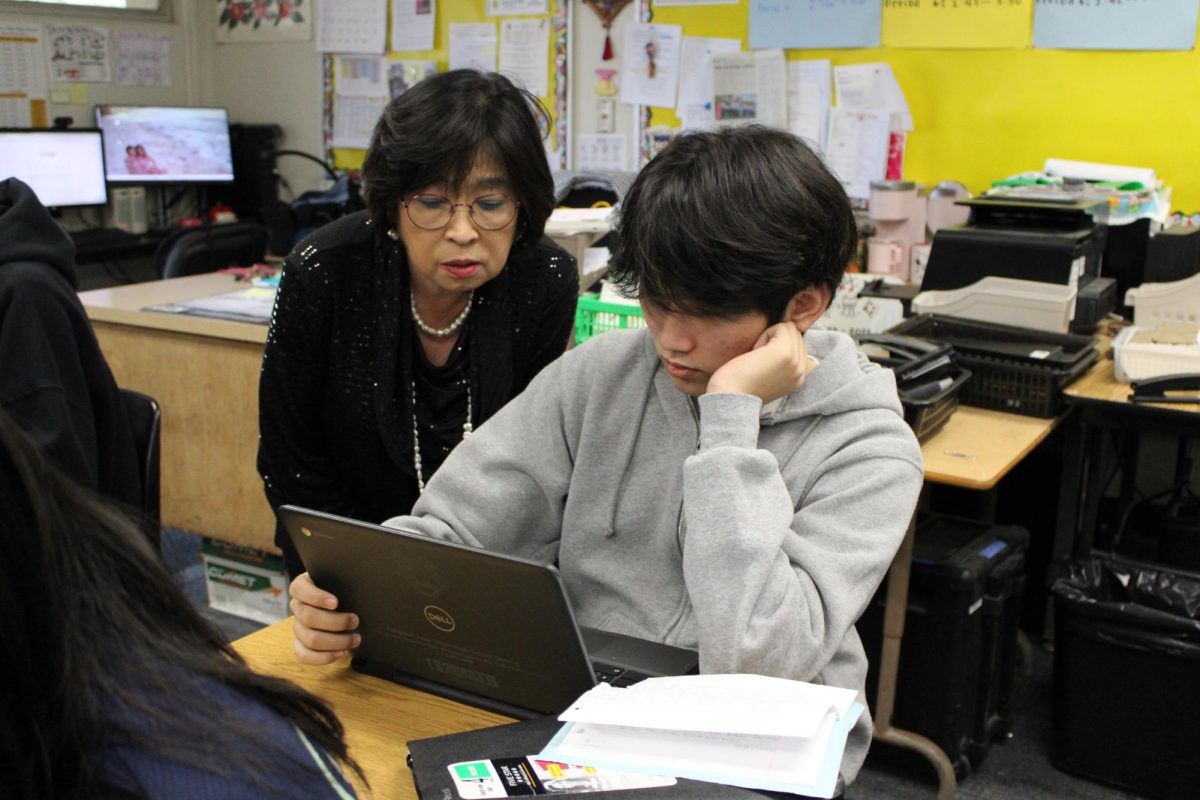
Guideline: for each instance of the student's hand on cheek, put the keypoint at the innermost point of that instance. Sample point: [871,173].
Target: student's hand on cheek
[775,366]
[321,635]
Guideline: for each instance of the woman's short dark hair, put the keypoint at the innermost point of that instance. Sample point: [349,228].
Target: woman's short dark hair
[732,221]
[102,650]
[434,133]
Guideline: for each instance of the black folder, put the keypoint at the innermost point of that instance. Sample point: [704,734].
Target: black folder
[429,758]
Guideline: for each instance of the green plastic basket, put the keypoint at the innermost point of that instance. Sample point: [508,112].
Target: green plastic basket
[593,317]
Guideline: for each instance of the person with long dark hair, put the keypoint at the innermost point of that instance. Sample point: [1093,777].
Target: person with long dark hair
[399,329]
[111,684]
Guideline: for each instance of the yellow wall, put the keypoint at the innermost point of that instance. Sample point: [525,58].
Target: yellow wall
[984,114]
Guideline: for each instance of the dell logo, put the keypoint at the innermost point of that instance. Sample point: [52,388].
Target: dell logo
[439,618]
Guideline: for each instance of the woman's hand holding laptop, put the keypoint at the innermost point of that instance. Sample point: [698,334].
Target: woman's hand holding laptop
[321,634]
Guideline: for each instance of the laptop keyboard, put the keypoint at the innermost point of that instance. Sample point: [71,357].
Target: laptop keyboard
[617,676]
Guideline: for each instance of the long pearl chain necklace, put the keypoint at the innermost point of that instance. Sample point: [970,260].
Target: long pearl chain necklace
[437,333]
[440,333]
[467,429]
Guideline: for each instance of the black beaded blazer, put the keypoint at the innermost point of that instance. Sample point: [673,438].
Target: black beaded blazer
[335,407]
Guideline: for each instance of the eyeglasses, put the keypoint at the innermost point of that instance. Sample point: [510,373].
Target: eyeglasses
[432,212]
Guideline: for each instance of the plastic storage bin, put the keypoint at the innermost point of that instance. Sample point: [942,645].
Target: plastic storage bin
[1020,370]
[958,655]
[1127,676]
[593,317]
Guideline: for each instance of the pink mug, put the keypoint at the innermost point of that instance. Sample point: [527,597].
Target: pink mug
[886,257]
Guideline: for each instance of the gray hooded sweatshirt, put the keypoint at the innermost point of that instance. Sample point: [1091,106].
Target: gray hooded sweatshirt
[754,534]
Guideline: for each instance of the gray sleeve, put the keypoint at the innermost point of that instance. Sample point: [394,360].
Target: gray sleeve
[504,487]
[776,583]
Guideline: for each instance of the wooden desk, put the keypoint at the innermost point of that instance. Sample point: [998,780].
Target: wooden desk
[975,449]
[204,374]
[379,716]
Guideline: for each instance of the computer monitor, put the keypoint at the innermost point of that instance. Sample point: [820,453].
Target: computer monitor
[166,144]
[65,168]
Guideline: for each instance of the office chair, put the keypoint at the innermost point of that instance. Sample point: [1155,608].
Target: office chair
[145,420]
[208,248]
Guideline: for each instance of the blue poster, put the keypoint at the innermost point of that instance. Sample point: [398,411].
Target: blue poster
[814,24]
[1115,24]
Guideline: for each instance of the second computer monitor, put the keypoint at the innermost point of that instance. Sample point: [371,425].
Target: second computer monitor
[165,144]
[65,168]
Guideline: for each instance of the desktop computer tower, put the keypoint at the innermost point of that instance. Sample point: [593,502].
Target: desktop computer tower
[959,653]
[255,187]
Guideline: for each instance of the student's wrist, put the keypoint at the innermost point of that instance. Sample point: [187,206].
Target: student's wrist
[729,419]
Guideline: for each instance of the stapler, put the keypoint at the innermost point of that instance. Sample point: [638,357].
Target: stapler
[1158,390]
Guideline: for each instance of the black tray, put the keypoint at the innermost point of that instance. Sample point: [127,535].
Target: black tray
[1021,370]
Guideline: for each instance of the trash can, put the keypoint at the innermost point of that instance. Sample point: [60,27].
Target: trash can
[1127,675]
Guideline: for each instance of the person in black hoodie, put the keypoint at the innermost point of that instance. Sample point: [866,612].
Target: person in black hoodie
[54,380]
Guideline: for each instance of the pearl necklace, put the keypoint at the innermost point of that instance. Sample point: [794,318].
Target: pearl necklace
[439,333]
[467,429]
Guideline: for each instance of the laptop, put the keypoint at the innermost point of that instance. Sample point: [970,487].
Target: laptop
[476,626]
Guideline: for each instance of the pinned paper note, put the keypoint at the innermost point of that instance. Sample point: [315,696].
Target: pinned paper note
[872,87]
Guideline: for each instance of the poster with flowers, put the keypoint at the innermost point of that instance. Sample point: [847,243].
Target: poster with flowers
[264,20]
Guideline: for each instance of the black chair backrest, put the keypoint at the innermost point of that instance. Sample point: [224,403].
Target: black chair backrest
[145,420]
[208,248]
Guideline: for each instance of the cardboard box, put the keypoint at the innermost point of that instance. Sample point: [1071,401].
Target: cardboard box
[246,582]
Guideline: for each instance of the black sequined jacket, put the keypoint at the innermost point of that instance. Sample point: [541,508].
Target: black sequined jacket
[335,411]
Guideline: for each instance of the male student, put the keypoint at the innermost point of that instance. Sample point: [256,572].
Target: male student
[731,479]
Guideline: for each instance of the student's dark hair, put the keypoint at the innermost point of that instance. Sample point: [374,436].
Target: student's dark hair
[101,650]
[434,133]
[732,221]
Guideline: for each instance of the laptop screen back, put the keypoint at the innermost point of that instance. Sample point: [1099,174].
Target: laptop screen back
[432,612]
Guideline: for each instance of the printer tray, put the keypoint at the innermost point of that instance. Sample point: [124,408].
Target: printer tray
[1020,370]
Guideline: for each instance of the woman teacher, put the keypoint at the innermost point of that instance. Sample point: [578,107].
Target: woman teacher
[400,328]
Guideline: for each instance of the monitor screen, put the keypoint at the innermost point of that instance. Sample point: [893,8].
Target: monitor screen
[63,167]
[166,144]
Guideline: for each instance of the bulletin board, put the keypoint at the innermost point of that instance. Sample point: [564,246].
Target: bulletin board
[460,11]
[980,115]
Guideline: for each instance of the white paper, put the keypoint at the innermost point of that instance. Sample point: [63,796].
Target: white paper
[871,87]
[810,97]
[473,46]
[512,8]
[750,87]
[738,704]
[351,26]
[22,74]
[600,152]
[1092,171]
[695,72]
[413,24]
[77,53]
[523,47]
[354,119]
[360,76]
[143,59]
[745,730]
[246,305]
[651,64]
[735,758]
[857,148]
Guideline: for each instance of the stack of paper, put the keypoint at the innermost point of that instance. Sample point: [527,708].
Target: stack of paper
[743,730]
